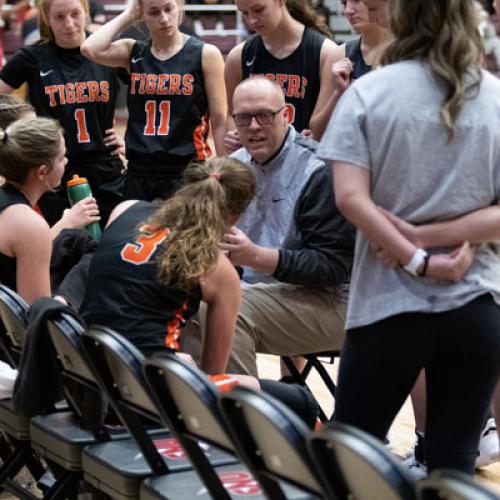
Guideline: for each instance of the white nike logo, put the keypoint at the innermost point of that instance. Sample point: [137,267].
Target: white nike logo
[134,60]
[45,73]
[249,63]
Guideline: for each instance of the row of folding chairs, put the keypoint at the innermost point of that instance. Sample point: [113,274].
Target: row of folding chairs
[178,437]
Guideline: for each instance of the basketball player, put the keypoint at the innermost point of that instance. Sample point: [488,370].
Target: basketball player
[80,214]
[176,91]
[290,48]
[25,239]
[64,85]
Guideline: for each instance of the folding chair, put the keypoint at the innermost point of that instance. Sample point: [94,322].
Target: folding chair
[353,462]
[14,314]
[187,401]
[271,440]
[116,469]
[452,485]
[314,360]
[60,437]
[13,323]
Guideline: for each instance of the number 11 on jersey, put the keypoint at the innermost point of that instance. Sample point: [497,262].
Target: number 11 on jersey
[164,126]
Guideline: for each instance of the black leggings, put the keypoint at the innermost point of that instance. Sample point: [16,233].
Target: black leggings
[460,351]
[297,398]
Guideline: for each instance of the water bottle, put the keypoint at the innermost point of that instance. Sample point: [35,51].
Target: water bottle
[78,189]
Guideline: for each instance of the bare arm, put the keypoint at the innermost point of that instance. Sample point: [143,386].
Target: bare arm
[101,48]
[328,96]
[352,193]
[32,248]
[213,72]
[477,227]
[221,291]
[232,76]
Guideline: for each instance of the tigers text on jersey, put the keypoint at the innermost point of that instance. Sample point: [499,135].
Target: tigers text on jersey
[168,106]
[298,73]
[66,86]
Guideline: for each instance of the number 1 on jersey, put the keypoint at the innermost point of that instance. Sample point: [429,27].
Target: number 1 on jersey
[82,133]
[164,126]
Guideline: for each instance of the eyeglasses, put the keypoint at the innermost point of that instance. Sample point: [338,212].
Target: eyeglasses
[263,117]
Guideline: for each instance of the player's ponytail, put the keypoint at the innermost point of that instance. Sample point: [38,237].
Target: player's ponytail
[27,144]
[303,12]
[214,194]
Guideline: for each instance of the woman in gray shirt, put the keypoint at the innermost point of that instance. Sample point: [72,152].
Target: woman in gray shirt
[419,137]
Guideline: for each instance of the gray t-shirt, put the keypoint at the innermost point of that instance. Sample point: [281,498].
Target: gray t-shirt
[388,122]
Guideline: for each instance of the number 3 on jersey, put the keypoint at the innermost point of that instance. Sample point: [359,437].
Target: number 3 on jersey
[143,248]
[164,126]
[82,134]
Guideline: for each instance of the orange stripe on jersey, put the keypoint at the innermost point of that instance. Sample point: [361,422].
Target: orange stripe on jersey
[200,135]
[174,329]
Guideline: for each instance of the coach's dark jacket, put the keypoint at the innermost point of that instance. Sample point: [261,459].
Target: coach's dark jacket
[319,246]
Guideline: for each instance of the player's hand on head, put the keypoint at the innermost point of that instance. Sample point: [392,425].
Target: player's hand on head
[81,214]
[133,11]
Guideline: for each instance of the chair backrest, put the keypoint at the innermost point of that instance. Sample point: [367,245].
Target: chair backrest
[65,333]
[80,386]
[350,459]
[117,366]
[453,485]
[271,439]
[186,399]
[13,315]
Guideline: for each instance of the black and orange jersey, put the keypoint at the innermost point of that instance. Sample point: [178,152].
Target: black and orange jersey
[70,88]
[168,107]
[298,74]
[123,292]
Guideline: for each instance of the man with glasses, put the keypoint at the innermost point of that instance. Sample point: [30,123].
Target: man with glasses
[294,247]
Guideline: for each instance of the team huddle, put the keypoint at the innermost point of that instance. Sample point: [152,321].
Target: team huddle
[351,202]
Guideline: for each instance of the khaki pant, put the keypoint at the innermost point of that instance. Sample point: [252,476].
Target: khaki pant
[280,319]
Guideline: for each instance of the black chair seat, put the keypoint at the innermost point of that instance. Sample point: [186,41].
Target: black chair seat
[236,479]
[60,438]
[118,467]
[13,423]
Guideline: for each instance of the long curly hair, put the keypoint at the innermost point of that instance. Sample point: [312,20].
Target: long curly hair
[214,194]
[443,33]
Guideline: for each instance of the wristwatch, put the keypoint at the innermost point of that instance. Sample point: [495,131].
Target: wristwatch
[419,257]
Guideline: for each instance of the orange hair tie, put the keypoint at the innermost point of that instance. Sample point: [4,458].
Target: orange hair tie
[215,175]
